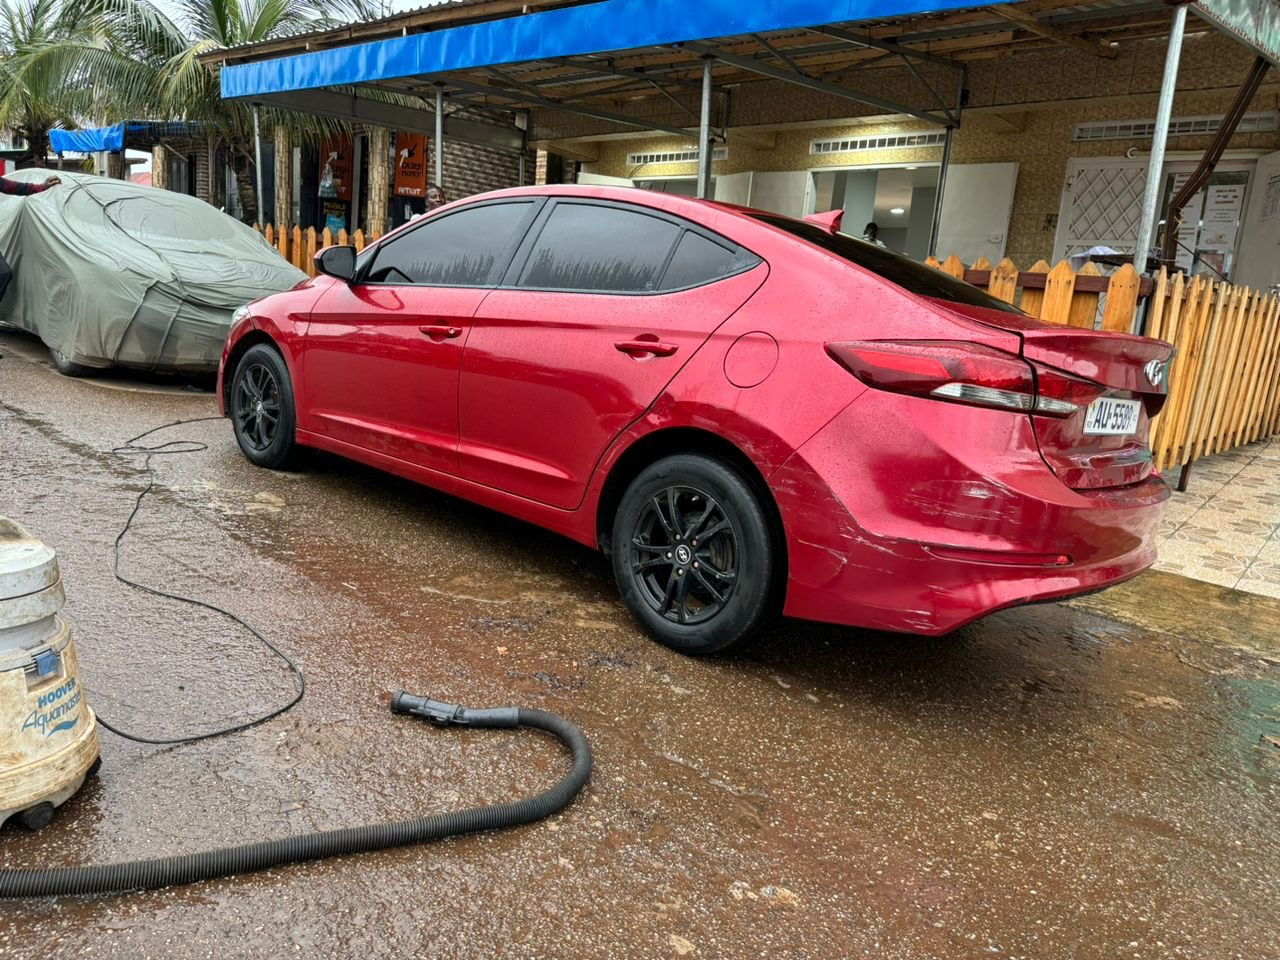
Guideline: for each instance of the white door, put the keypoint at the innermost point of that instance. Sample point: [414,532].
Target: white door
[977,201]
[600,180]
[734,188]
[1258,259]
[784,192]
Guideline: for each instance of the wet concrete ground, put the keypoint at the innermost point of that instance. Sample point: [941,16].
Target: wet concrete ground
[1090,780]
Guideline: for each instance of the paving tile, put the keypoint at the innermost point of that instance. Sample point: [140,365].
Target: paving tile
[1260,572]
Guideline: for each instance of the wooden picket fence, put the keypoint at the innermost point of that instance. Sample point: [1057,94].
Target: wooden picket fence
[1225,377]
[299,246]
[1059,294]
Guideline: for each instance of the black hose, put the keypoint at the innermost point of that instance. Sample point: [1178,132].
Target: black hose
[190,868]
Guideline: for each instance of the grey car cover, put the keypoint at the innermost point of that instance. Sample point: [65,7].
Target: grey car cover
[111,272]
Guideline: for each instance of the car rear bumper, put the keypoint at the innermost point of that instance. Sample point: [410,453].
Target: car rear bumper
[959,518]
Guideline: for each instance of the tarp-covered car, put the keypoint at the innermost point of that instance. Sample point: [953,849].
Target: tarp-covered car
[111,273]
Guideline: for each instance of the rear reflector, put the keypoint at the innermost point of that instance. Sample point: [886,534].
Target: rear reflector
[956,371]
[1000,557]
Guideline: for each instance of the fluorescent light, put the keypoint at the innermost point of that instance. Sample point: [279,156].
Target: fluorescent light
[897,211]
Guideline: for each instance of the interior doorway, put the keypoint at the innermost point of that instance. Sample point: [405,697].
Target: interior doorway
[900,199]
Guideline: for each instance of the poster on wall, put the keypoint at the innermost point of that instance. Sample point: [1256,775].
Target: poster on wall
[411,165]
[1222,216]
[335,169]
[1271,201]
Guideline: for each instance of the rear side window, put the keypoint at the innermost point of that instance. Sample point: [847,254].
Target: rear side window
[458,250]
[698,260]
[911,276]
[588,247]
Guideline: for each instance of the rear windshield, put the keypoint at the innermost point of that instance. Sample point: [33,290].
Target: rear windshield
[911,276]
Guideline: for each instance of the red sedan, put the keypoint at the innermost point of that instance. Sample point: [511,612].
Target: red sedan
[747,413]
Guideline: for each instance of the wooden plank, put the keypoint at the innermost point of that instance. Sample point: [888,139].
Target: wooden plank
[1252,362]
[1165,436]
[1122,300]
[1084,306]
[1035,281]
[1233,387]
[1160,294]
[1270,385]
[1219,371]
[1160,426]
[1003,284]
[1033,294]
[310,265]
[1205,351]
[298,258]
[1059,288]
[953,266]
[1266,369]
[1031,24]
[982,263]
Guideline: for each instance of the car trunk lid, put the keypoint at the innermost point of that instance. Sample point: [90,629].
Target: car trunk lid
[1118,382]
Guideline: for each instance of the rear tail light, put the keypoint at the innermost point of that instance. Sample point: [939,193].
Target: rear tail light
[960,372]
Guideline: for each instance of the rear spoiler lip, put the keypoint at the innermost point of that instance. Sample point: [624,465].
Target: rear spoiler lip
[1066,349]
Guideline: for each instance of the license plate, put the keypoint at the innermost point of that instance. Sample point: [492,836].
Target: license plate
[1112,417]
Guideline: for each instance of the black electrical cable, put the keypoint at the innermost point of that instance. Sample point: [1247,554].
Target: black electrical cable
[132,448]
[191,868]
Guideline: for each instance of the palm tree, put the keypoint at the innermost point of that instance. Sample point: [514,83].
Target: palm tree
[32,104]
[137,61]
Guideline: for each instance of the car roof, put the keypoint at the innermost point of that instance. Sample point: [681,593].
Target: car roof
[692,208]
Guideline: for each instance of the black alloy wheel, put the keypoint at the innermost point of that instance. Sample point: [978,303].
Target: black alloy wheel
[257,406]
[693,554]
[684,555]
[261,408]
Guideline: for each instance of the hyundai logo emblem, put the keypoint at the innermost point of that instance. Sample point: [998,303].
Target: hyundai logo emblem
[1155,371]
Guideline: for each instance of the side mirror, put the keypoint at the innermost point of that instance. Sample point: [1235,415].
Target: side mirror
[337,262]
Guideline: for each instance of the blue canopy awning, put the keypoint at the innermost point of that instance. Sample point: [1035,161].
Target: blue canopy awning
[89,140]
[604,27]
[114,138]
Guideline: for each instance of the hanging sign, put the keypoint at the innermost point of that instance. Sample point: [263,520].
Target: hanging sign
[411,165]
[1222,216]
[335,169]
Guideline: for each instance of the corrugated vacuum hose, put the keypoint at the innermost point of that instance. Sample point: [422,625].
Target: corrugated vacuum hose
[190,868]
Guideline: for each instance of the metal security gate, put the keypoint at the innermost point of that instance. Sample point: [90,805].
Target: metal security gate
[1101,205]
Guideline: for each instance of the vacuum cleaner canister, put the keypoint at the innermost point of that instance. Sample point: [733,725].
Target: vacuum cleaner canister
[48,734]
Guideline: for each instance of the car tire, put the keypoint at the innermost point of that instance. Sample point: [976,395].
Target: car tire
[64,365]
[261,408]
[693,554]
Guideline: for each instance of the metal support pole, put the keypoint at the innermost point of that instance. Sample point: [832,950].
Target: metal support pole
[439,134]
[942,183]
[1151,195]
[257,161]
[704,133]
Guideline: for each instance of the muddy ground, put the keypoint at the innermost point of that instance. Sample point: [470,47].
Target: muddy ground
[1090,780]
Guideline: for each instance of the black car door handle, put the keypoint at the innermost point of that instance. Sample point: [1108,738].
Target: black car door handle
[438,332]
